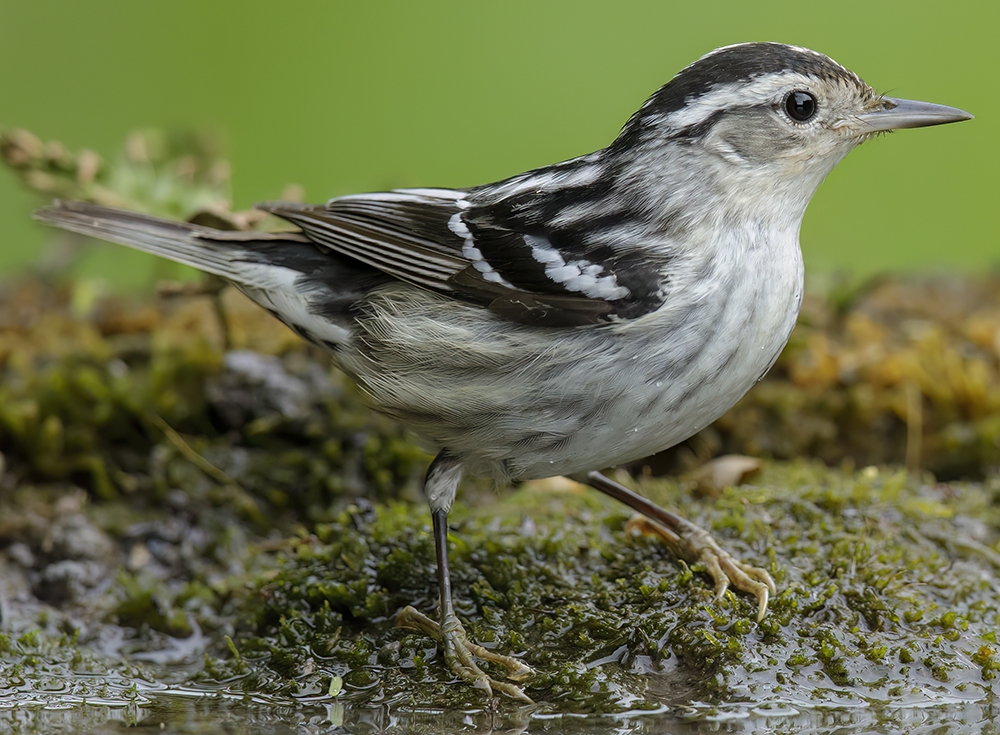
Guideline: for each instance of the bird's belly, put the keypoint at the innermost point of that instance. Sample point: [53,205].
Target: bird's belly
[656,403]
[519,402]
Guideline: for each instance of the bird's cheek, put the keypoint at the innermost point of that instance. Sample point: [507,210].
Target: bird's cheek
[755,138]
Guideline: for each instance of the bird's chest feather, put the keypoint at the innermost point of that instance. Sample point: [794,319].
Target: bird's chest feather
[518,401]
[695,357]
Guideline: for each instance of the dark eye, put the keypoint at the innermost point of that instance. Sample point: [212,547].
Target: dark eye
[800,106]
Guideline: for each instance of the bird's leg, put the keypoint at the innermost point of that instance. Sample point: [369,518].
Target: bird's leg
[689,542]
[459,652]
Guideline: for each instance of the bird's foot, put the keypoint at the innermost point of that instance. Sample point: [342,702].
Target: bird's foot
[693,543]
[460,654]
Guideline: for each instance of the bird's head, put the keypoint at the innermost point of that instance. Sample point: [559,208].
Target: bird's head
[768,115]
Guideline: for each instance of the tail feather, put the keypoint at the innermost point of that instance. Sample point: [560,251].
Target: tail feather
[229,254]
[310,288]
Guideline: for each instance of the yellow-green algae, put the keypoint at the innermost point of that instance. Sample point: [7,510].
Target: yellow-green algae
[185,469]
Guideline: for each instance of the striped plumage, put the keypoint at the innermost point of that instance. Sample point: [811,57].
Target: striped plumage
[573,317]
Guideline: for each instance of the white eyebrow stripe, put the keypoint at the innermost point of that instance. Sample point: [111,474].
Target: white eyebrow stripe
[734,94]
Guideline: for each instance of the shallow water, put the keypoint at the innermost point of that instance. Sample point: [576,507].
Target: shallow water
[190,710]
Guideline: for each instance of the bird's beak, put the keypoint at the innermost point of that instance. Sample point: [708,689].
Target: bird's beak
[894,114]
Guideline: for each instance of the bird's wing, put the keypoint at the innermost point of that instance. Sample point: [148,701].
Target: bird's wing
[499,250]
[403,233]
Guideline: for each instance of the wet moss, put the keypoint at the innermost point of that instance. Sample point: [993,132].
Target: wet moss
[870,609]
[140,418]
[186,469]
[884,575]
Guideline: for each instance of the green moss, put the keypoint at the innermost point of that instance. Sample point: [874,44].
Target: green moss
[607,622]
[877,593]
[278,531]
[147,603]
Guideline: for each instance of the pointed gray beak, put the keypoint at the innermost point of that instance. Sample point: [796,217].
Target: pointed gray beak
[894,114]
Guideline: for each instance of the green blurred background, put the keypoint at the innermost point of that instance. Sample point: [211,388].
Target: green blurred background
[344,97]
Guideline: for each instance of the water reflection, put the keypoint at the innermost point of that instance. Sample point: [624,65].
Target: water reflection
[193,710]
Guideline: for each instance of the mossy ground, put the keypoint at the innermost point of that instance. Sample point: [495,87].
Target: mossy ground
[190,497]
[885,596]
[135,500]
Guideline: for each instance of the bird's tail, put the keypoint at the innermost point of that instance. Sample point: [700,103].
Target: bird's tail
[233,255]
[310,288]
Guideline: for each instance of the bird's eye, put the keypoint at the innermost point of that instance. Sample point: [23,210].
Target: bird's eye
[800,106]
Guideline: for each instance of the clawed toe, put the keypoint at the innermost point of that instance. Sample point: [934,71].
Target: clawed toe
[460,653]
[693,543]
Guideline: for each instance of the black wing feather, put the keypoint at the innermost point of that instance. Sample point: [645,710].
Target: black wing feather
[497,250]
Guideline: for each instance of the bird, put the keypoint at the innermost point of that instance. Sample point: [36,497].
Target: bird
[575,317]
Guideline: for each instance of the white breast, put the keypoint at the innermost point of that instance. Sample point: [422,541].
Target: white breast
[517,402]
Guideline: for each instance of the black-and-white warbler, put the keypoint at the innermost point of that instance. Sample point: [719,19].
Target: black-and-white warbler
[577,316]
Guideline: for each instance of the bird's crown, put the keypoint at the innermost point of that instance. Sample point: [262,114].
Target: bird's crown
[742,76]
